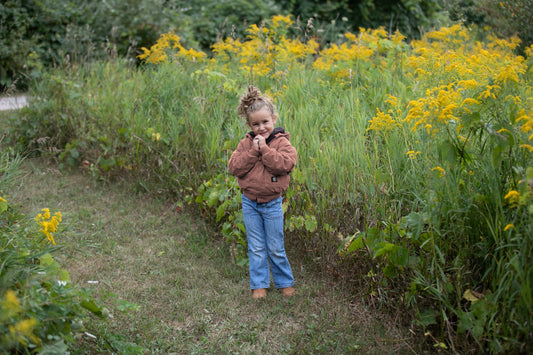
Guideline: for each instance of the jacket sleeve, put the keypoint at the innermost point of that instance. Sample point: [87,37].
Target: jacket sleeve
[281,159]
[243,159]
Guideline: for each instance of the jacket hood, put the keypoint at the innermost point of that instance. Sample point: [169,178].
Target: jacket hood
[277,131]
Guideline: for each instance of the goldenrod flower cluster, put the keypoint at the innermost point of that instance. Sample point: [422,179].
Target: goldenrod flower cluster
[20,331]
[167,48]
[48,223]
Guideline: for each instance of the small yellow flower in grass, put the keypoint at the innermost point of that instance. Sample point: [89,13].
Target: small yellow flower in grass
[10,305]
[527,146]
[441,171]
[48,223]
[2,199]
[513,196]
[156,136]
[280,19]
[507,227]
[23,331]
[412,154]
[392,100]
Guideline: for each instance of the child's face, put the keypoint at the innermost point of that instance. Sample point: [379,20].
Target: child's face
[262,122]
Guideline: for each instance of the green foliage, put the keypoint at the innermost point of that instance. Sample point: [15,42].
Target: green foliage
[220,197]
[40,308]
[509,18]
[335,17]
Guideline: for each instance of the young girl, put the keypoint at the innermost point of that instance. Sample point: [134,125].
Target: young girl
[262,163]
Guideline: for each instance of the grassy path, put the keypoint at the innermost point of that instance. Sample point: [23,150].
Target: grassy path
[181,292]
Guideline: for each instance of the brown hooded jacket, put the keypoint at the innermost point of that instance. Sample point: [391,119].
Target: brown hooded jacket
[264,175]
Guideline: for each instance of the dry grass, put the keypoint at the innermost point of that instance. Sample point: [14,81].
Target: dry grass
[182,292]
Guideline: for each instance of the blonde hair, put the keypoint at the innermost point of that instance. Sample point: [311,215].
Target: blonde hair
[253,101]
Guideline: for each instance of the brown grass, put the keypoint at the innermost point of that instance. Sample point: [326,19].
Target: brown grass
[188,296]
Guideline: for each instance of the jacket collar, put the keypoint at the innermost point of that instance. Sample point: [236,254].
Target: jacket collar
[273,135]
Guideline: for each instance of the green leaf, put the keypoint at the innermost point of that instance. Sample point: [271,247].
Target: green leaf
[58,347]
[64,275]
[447,152]
[356,244]
[125,306]
[427,318]
[92,307]
[3,205]
[213,198]
[310,223]
[385,248]
[221,210]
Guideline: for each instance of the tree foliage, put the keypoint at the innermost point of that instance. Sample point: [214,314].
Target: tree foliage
[37,33]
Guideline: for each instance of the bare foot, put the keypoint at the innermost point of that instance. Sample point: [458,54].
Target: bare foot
[259,293]
[288,291]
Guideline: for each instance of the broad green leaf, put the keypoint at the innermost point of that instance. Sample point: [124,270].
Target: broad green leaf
[64,275]
[385,248]
[447,152]
[428,317]
[356,244]
[469,296]
[310,223]
[92,307]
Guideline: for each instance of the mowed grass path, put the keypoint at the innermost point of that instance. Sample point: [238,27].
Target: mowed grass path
[177,281]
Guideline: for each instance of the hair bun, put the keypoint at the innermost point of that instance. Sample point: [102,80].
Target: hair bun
[253,100]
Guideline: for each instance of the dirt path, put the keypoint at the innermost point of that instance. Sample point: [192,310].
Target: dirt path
[175,283]
[13,102]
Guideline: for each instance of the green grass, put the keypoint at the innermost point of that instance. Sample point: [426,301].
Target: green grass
[174,277]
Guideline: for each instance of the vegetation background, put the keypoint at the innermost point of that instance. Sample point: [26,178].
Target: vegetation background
[413,191]
[47,33]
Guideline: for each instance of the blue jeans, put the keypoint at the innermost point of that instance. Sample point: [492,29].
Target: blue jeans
[264,231]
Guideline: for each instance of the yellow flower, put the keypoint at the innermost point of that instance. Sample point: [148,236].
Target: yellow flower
[23,330]
[441,171]
[10,305]
[412,154]
[382,122]
[392,100]
[280,19]
[527,146]
[509,226]
[513,196]
[48,223]
[2,199]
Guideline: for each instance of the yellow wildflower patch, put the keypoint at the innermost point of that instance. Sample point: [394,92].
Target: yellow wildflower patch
[48,223]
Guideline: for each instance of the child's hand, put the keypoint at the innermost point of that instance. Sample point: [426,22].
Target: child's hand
[259,142]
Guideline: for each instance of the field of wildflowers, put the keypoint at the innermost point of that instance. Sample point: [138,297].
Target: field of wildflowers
[416,157]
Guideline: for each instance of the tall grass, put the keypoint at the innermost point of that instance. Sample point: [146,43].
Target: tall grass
[417,156]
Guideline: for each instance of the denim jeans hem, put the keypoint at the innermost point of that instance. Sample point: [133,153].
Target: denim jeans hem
[284,286]
[255,287]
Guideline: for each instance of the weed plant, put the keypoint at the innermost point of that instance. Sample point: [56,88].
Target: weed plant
[416,156]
